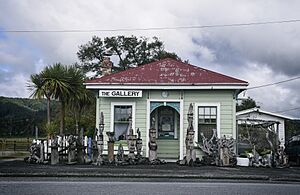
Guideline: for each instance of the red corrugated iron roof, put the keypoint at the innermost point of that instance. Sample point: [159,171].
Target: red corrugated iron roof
[167,72]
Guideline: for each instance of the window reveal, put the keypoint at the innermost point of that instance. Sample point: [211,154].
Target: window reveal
[121,121]
[207,121]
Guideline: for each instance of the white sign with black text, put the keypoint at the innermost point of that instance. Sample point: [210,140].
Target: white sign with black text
[120,93]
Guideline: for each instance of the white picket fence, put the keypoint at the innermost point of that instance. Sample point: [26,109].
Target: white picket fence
[63,145]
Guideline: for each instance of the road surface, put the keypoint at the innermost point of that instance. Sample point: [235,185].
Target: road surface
[74,186]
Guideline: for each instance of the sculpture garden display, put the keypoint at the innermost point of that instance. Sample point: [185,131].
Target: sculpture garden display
[218,151]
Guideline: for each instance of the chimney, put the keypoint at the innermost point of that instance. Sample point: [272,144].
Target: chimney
[106,66]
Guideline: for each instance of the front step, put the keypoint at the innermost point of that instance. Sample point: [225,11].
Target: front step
[168,149]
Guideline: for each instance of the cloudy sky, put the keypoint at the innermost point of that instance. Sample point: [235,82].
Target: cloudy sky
[259,54]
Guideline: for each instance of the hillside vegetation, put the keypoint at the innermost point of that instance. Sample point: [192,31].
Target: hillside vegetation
[19,116]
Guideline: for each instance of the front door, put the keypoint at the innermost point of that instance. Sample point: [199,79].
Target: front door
[166,123]
[165,119]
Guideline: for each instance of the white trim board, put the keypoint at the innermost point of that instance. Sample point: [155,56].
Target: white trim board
[262,111]
[163,87]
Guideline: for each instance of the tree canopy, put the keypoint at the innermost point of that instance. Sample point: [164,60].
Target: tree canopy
[130,51]
[246,104]
[62,83]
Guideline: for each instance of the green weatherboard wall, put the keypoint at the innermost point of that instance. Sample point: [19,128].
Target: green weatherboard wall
[170,148]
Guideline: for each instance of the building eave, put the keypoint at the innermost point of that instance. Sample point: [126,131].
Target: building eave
[165,86]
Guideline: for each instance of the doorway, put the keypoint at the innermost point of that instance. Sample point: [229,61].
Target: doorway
[166,120]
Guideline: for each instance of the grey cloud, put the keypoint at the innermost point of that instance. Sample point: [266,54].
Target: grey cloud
[258,54]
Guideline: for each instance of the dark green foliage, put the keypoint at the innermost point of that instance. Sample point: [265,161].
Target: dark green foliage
[19,116]
[130,52]
[246,104]
[292,128]
[64,84]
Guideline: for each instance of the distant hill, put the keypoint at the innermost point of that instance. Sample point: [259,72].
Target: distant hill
[19,116]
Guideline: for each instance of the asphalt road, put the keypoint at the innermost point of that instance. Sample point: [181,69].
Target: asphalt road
[45,186]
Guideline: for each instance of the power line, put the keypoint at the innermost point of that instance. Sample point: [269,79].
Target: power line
[152,28]
[276,83]
[282,111]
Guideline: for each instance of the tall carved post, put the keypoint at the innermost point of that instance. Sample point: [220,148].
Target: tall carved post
[71,149]
[100,142]
[94,147]
[152,142]
[111,144]
[139,144]
[80,148]
[42,156]
[189,140]
[54,151]
[131,141]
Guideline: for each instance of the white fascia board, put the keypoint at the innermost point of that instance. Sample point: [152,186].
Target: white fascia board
[162,87]
[264,112]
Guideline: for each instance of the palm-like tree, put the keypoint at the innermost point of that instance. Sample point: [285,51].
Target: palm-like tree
[39,91]
[57,79]
[79,97]
[62,83]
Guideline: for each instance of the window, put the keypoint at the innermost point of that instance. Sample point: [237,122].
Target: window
[207,121]
[122,113]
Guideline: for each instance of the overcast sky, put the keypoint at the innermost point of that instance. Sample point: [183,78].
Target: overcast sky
[259,54]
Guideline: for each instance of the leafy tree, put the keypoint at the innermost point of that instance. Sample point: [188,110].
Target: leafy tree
[130,52]
[246,104]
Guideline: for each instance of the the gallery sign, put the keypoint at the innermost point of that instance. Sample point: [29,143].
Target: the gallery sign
[120,93]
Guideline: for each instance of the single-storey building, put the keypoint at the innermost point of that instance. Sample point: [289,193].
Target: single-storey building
[159,94]
[259,114]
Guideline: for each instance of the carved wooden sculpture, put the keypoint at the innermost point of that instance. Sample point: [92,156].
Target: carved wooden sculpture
[54,151]
[152,145]
[139,144]
[71,149]
[189,140]
[131,141]
[219,152]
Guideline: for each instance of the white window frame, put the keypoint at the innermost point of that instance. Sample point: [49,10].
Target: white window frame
[112,114]
[196,117]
